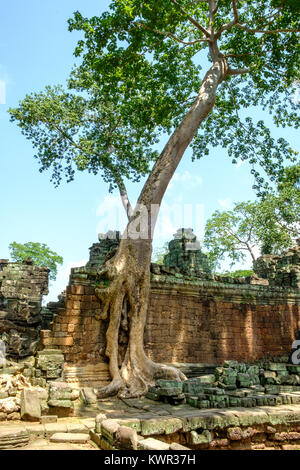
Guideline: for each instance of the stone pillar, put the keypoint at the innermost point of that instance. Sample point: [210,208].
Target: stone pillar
[185,253]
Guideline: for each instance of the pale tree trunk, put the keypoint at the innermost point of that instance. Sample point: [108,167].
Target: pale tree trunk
[125,279]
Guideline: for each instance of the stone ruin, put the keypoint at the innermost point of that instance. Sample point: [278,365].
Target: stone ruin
[185,253]
[280,270]
[22,287]
[104,249]
[200,318]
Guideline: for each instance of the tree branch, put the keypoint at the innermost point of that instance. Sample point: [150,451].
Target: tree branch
[267,31]
[124,197]
[192,20]
[237,71]
[171,35]
[117,177]
[237,24]
[235,11]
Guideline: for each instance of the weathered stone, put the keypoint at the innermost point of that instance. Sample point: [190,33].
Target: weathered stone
[9,405]
[48,419]
[126,438]
[13,437]
[175,446]
[30,405]
[22,286]
[204,438]
[88,395]
[236,434]
[109,428]
[152,444]
[244,380]
[70,437]
[50,362]
[99,418]
[156,426]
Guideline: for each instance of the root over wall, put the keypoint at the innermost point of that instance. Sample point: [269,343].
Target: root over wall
[188,321]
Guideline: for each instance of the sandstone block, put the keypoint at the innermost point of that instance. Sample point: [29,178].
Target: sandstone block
[30,405]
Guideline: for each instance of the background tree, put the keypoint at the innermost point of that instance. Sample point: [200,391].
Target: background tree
[268,226]
[39,253]
[283,208]
[140,76]
[160,253]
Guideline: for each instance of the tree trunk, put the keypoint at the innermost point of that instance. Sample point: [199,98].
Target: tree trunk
[125,279]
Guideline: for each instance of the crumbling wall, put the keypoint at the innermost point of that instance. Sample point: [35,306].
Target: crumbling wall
[280,270]
[189,320]
[194,316]
[22,286]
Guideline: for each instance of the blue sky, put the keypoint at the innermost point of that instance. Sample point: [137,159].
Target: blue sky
[36,50]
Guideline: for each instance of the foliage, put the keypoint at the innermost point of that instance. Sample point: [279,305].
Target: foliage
[159,254]
[238,273]
[139,73]
[39,253]
[270,224]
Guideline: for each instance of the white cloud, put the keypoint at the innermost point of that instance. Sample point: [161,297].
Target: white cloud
[188,178]
[62,279]
[178,215]
[226,203]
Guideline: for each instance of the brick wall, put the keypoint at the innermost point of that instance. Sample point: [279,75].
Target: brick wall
[195,330]
[75,328]
[187,322]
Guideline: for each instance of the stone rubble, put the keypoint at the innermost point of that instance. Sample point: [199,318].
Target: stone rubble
[280,270]
[234,384]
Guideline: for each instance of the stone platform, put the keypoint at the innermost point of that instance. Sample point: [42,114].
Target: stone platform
[163,426]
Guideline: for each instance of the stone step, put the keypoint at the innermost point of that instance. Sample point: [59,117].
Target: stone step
[192,370]
[75,438]
[206,379]
[13,437]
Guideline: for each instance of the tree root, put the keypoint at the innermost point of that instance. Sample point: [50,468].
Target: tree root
[123,290]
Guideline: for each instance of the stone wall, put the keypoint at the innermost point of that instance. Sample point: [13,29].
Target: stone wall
[194,316]
[190,320]
[22,287]
[280,270]
[212,321]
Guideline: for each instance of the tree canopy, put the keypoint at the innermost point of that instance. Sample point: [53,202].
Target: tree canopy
[39,253]
[140,71]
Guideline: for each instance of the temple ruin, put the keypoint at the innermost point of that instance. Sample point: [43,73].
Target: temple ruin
[232,337]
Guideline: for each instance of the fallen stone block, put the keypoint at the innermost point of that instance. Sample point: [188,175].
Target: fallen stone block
[70,437]
[48,419]
[204,438]
[9,405]
[13,437]
[109,428]
[175,446]
[126,438]
[30,405]
[88,396]
[152,444]
[99,418]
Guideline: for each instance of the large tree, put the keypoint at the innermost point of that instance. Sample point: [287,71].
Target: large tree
[140,76]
